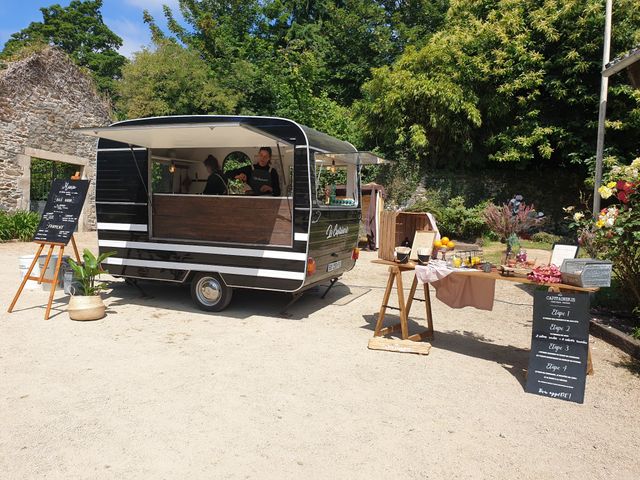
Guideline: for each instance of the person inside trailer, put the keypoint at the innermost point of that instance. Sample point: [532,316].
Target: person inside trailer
[260,178]
[216,182]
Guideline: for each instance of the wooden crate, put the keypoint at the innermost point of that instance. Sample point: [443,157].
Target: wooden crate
[396,226]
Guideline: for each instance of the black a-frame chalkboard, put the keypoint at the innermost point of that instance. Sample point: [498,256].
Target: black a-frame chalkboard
[559,345]
[60,217]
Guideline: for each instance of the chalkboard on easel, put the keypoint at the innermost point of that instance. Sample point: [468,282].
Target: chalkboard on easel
[559,345]
[64,205]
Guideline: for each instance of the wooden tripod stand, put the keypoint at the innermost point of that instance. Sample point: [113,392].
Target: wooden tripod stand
[53,281]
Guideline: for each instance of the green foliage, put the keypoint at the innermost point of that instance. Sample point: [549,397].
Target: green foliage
[171,81]
[87,272]
[80,31]
[454,219]
[20,225]
[510,80]
[43,172]
[545,237]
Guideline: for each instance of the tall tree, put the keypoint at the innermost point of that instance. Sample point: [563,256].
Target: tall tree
[79,30]
[506,80]
[171,80]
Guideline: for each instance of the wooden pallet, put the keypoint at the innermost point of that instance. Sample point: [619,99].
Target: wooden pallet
[401,346]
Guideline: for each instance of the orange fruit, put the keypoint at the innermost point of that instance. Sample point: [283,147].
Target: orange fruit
[451,245]
[437,244]
[444,240]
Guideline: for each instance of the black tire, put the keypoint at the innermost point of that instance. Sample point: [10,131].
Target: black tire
[209,292]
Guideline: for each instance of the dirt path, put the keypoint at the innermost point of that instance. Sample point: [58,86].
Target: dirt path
[159,390]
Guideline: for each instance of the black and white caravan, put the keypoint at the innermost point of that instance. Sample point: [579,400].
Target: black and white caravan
[225,202]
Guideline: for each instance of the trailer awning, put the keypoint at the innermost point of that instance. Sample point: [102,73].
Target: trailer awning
[181,135]
[355,158]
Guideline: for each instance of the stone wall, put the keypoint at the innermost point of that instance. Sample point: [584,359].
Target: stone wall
[43,97]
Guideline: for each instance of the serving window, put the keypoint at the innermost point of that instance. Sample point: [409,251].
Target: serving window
[180,211]
[336,182]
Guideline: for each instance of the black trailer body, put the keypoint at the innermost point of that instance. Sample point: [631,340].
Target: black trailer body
[149,210]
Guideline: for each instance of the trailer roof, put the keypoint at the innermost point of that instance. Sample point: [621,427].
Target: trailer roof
[354,158]
[181,135]
[204,131]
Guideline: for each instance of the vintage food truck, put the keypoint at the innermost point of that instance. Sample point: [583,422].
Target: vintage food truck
[152,213]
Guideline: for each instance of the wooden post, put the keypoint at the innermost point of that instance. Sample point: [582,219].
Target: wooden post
[385,300]
[403,308]
[54,283]
[427,305]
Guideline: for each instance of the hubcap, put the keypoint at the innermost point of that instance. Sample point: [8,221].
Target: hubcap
[208,291]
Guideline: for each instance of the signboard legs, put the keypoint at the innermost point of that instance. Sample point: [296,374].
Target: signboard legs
[53,281]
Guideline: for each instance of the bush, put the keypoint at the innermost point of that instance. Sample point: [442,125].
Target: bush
[545,237]
[615,233]
[20,225]
[455,220]
[505,222]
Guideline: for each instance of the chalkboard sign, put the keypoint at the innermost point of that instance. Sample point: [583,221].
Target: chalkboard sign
[61,214]
[559,345]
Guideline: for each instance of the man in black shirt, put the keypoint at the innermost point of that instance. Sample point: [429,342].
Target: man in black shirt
[261,177]
[216,183]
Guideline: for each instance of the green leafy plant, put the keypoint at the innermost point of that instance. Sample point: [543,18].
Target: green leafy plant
[454,219]
[87,272]
[545,237]
[20,225]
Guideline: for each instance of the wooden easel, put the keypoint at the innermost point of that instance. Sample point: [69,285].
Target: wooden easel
[53,281]
[395,276]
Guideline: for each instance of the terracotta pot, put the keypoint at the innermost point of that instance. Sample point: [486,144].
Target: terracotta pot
[86,308]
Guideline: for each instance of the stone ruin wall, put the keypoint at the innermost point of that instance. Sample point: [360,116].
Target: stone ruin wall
[42,99]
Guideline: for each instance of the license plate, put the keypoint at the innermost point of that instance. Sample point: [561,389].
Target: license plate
[334,266]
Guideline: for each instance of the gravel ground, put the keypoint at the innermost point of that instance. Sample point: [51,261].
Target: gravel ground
[160,390]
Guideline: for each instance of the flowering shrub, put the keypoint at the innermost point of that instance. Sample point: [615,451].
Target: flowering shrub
[615,233]
[503,221]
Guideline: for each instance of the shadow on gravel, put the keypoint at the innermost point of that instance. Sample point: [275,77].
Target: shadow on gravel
[632,365]
[513,359]
[244,303]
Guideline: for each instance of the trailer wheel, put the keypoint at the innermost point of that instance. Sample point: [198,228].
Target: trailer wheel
[209,292]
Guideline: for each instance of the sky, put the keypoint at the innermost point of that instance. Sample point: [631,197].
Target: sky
[124,17]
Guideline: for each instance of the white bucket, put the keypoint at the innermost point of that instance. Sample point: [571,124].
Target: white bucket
[51,270]
[24,262]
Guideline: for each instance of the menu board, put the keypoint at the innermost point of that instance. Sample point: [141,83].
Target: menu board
[559,345]
[61,214]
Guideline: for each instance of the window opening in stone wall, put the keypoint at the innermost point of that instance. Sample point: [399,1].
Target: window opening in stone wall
[43,172]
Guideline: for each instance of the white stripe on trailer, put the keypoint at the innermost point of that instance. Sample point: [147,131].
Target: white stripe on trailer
[201,267]
[131,227]
[301,237]
[121,149]
[121,203]
[178,247]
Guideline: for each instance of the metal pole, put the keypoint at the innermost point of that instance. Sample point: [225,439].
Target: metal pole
[602,115]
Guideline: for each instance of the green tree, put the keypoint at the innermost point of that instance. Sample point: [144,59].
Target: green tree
[171,80]
[79,31]
[509,81]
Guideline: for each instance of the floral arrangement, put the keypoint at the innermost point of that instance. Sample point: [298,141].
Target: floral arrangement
[615,232]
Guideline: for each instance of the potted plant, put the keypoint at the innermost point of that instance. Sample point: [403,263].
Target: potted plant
[85,302]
